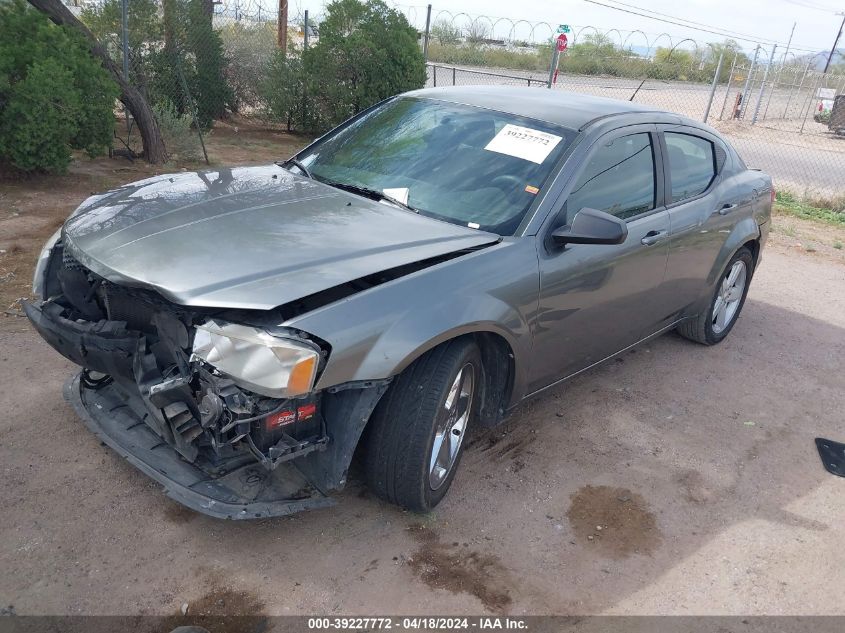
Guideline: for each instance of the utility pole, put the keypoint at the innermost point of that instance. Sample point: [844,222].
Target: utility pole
[835,42]
[282,26]
[789,43]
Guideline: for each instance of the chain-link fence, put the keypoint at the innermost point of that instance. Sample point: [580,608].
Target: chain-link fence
[775,107]
[195,61]
[776,125]
[202,60]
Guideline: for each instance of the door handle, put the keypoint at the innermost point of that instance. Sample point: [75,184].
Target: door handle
[727,208]
[652,237]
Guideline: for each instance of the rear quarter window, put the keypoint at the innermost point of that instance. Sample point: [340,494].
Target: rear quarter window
[692,164]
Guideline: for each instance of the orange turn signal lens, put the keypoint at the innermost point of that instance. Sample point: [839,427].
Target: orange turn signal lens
[302,376]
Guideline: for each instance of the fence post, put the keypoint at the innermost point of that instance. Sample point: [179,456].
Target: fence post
[434,72]
[774,88]
[798,90]
[454,70]
[427,32]
[728,87]
[553,67]
[304,86]
[763,84]
[744,105]
[124,28]
[713,87]
[810,103]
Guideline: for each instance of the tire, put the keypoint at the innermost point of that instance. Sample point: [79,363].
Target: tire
[705,328]
[403,430]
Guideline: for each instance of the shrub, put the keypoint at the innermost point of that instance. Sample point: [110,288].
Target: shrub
[445,33]
[366,53]
[249,49]
[54,97]
[283,91]
[208,85]
[179,136]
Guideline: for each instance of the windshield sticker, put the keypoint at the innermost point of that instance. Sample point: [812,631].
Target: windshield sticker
[473,225]
[524,143]
[532,189]
[397,193]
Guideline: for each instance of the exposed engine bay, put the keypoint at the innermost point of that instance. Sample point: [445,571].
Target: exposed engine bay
[167,365]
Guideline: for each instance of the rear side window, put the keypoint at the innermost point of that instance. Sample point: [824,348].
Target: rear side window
[619,179]
[692,165]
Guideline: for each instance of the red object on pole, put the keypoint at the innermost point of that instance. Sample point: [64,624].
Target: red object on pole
[562,42]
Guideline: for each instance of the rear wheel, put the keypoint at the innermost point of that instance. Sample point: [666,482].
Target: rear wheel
[416,436]
[715,323]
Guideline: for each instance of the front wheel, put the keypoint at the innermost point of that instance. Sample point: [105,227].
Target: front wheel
[416,436]
[717,321]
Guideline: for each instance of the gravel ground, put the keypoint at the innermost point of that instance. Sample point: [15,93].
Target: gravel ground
[677,479]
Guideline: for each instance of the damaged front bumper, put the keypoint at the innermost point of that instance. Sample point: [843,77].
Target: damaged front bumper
[229,467]
[247,492]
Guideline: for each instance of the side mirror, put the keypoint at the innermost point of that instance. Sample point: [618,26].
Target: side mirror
[591,226]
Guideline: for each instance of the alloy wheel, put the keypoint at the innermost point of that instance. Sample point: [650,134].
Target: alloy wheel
[730,295]
[451,426]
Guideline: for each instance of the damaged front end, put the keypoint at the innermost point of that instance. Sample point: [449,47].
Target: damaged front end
[222,413]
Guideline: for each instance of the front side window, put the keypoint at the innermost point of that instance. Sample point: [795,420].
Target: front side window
[619,179]
[692,164]
[466,165]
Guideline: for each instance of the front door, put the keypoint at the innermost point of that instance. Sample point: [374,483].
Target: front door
[597,299]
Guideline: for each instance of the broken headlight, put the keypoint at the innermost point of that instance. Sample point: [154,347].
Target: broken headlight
[41,266]
[256,360]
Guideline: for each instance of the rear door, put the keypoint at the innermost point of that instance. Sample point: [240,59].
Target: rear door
[597,299]
[704,203]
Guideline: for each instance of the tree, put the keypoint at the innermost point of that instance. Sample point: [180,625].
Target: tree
[477,32]
[366,53]
[445,33]
[54,97]
[135,102]
[187,73]
[144,24]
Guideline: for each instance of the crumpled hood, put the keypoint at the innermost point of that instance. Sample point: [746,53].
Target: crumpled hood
[251,237]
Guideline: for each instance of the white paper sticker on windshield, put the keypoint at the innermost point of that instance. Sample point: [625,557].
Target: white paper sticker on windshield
[523,142]
[397,193]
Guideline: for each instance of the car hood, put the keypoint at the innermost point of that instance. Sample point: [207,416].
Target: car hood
[252,237]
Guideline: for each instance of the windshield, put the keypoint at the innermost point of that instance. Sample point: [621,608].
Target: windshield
[466,165]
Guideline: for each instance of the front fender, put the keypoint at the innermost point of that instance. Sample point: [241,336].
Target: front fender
[376,333]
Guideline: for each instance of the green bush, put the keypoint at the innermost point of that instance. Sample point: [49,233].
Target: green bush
[249,48]
[822,117]
[176,57]
[54,97]
[180,137]
[284,92]
[366,53]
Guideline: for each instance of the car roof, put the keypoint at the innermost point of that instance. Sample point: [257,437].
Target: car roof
[567,109]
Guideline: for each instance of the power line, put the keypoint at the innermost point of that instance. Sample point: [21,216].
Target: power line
[752,38]
[811,5]
[689,25]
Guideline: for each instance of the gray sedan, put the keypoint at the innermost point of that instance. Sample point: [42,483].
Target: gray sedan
[414,273]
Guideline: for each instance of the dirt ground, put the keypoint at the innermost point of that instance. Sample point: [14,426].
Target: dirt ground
[676,479]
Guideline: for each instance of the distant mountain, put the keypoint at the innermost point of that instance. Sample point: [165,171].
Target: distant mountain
[820,59]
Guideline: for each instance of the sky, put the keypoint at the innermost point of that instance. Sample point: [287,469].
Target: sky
[767,21]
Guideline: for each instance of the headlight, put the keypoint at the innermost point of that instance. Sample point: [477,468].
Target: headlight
[256,360]
[41,265]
